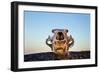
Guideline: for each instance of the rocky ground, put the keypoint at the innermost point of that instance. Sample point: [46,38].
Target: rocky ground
[51,56]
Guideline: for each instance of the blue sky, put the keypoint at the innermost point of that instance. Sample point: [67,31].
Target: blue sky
[38,26]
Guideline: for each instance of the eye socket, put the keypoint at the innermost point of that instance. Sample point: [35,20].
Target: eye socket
[55,43]
[64,42]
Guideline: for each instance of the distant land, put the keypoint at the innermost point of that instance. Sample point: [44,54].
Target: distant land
[51,56]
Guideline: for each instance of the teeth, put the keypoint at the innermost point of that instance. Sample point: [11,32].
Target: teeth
[59,50]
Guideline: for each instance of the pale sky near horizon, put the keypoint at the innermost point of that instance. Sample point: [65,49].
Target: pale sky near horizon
[38,26]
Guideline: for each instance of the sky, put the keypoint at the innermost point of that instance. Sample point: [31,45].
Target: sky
[38,26]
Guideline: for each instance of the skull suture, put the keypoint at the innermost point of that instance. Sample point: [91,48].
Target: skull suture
[60,42]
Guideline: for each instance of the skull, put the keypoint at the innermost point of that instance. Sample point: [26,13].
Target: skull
[60,42]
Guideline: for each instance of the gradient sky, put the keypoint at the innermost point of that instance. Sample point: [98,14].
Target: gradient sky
[38,26]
